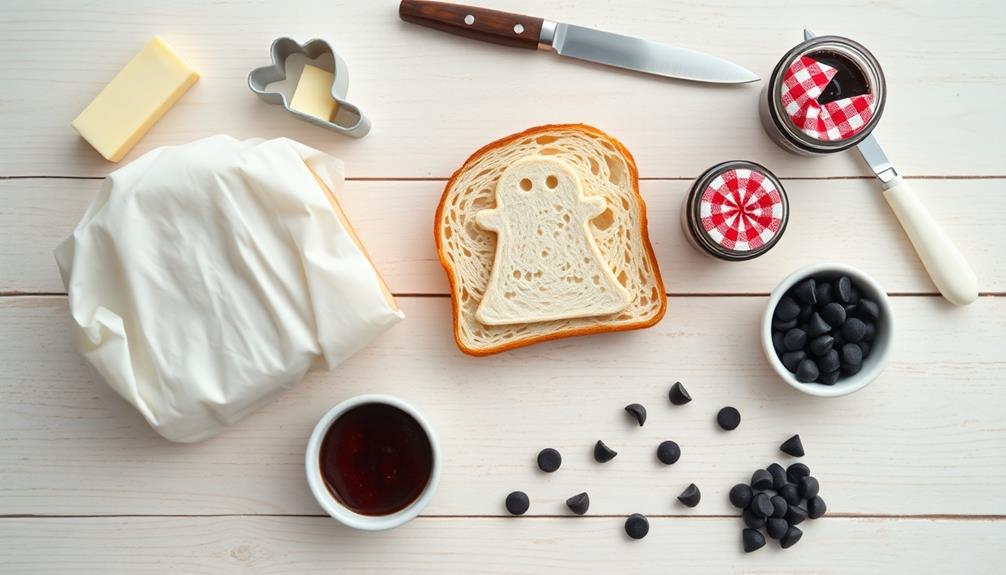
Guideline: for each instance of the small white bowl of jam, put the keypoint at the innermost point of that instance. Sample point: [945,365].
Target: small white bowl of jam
[373,462]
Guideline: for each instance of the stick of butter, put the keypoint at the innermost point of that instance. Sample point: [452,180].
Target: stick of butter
[313,95]
[134,100]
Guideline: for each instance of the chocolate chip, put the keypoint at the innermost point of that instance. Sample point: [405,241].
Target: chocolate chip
[829,362]
[517,503]
[805,291]
[871,331]
[809,487]
[690,496]
[792,536]
[868,309]
[753,540]
[779,506]
[549,460]
[791,493]
[741,495]
[854,330]
[852,356]
[843,290]
[795,514]
[752,520]
[668,452]
[833,313]
[578,503]
[807,371]
[817,326]
[762,506]
[816,507]
[850,309]
[679,395]
[603,453]
[637,526]
[865,347]
[828,378]
[805,312]
[854,295]
[851,370]
[777,343]
[787,309]
[637,411]
[824,294]
[761,479]
[792,446]
[791,359]
[796,472]
[778,474]
[795,339]
[818,346]
[776,527]
[728,418]
[784,325]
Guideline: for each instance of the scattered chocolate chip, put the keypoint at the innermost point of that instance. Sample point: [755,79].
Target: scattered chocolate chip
[753,540]
[728,418]
[741,495]
[805,291]
[678,394]
[807,371]
[578,503]
[829,362]
[762,506]
[637,411]
[843,290]
[819,346]
[517,503]
[690,496]
[603,453]
[854,330]
[778,474]
[817,326]
[852,356]
[549,460]
[795,339]
[833,313]
[868,309]
[828,378]
[637,526]
[791,359]
[776,527]
[761,479]
[816,507]
[752,520]
[668,452]
[787,309]
[824,294]
[779,506]
[796,472]
[792,536]
[792,446]
[791,493]
[795,514]
[809,487]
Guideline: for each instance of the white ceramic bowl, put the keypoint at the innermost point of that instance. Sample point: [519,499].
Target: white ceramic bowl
[880,349]
[337,510]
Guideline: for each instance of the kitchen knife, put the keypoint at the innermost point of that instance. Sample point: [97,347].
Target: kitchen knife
[519,31]
[946,265]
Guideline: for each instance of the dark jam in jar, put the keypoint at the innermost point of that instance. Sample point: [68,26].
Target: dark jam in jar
[376,459]
[849,79]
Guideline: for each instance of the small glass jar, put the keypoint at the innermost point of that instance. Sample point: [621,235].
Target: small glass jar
[735,211]
[857,74]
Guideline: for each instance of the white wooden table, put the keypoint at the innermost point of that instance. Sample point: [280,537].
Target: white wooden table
[913,467]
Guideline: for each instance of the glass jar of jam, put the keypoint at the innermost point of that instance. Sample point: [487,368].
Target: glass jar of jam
[735,211]
[825,95]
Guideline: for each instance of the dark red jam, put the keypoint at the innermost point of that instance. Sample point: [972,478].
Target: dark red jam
[849,79]
[376,459]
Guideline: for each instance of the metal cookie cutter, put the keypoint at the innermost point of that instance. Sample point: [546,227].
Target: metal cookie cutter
[348,120]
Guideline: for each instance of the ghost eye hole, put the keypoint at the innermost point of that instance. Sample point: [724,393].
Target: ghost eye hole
[525,184]
[551,182]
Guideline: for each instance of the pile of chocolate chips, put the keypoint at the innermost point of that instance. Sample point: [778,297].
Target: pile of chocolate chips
[778,500]
[823,330]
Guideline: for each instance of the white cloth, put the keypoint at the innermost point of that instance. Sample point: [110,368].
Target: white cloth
[206,278]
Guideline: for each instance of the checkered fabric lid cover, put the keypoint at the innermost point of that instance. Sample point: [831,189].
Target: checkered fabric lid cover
[742,210]
[803,83]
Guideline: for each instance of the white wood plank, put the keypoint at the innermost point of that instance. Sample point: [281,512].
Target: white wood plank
[929,437]
[434,98]
[834,220]
[434,545]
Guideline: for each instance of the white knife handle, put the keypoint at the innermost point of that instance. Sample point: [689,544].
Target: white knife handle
[946,266]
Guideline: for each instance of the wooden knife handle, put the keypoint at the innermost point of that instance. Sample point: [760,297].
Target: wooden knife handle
[483,24]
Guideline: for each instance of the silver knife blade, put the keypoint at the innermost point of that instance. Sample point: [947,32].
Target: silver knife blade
[874,155]
[642,55]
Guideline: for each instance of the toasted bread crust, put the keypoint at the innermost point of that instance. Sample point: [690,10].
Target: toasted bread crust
[569,332]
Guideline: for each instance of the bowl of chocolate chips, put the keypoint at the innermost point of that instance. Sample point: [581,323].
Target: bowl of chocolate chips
[827,330]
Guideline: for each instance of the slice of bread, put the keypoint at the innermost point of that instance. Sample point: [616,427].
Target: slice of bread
[467,251]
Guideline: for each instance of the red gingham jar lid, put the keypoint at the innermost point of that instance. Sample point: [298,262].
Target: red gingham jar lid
[737,210]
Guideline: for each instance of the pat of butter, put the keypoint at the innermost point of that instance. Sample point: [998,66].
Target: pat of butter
[134,100]
[313,95]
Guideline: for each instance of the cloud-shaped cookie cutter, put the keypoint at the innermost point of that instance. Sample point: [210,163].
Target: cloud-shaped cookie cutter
[349,120]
